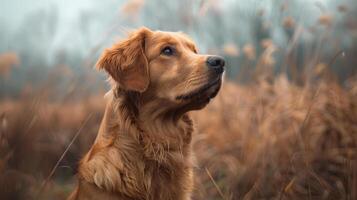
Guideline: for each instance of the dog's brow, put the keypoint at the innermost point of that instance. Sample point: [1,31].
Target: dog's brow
[188,42]
[166,40]
[163,44]
[174,39]
[191,46]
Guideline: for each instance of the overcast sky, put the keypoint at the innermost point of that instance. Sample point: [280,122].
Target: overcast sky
[104,14]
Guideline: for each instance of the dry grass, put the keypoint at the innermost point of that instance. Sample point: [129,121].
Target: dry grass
[7,61]
[33,134]
[280,141]
[266,140]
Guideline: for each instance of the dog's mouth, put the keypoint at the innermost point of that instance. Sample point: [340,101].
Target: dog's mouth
[204,93]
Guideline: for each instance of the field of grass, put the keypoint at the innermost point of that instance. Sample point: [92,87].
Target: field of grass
[269,139]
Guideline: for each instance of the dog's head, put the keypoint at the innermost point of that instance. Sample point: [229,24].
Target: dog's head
[165,66]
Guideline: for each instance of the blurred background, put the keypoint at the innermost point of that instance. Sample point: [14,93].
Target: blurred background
[284,125]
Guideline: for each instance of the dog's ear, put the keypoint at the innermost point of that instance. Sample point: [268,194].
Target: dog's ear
[126,62]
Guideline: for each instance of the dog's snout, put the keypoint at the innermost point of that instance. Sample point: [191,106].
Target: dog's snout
[216,63]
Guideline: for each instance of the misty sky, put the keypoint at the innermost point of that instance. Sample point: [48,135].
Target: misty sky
[80,25]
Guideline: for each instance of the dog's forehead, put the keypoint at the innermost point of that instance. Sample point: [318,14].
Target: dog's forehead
[172,37]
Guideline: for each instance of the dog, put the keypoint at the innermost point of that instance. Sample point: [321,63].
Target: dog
[143,148]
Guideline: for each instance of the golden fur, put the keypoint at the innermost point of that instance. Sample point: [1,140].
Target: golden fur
[143,148]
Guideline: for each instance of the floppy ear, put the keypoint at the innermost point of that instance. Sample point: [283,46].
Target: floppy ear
[126,62]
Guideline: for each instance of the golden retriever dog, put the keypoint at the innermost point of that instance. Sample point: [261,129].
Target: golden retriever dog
[143,148]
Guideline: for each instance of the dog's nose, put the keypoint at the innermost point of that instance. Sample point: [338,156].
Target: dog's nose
[216,63]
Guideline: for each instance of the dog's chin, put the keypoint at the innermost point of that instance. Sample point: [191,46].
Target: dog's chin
[200,97]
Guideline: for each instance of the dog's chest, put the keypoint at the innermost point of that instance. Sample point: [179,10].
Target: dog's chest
[168,162]
[169,180]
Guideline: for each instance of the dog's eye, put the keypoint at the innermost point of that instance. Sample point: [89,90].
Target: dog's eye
[167,51]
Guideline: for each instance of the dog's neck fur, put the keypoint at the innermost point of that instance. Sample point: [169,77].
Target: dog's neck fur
[132,124]
[150,115]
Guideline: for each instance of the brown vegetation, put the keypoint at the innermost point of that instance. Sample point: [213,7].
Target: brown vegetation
[7,61]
